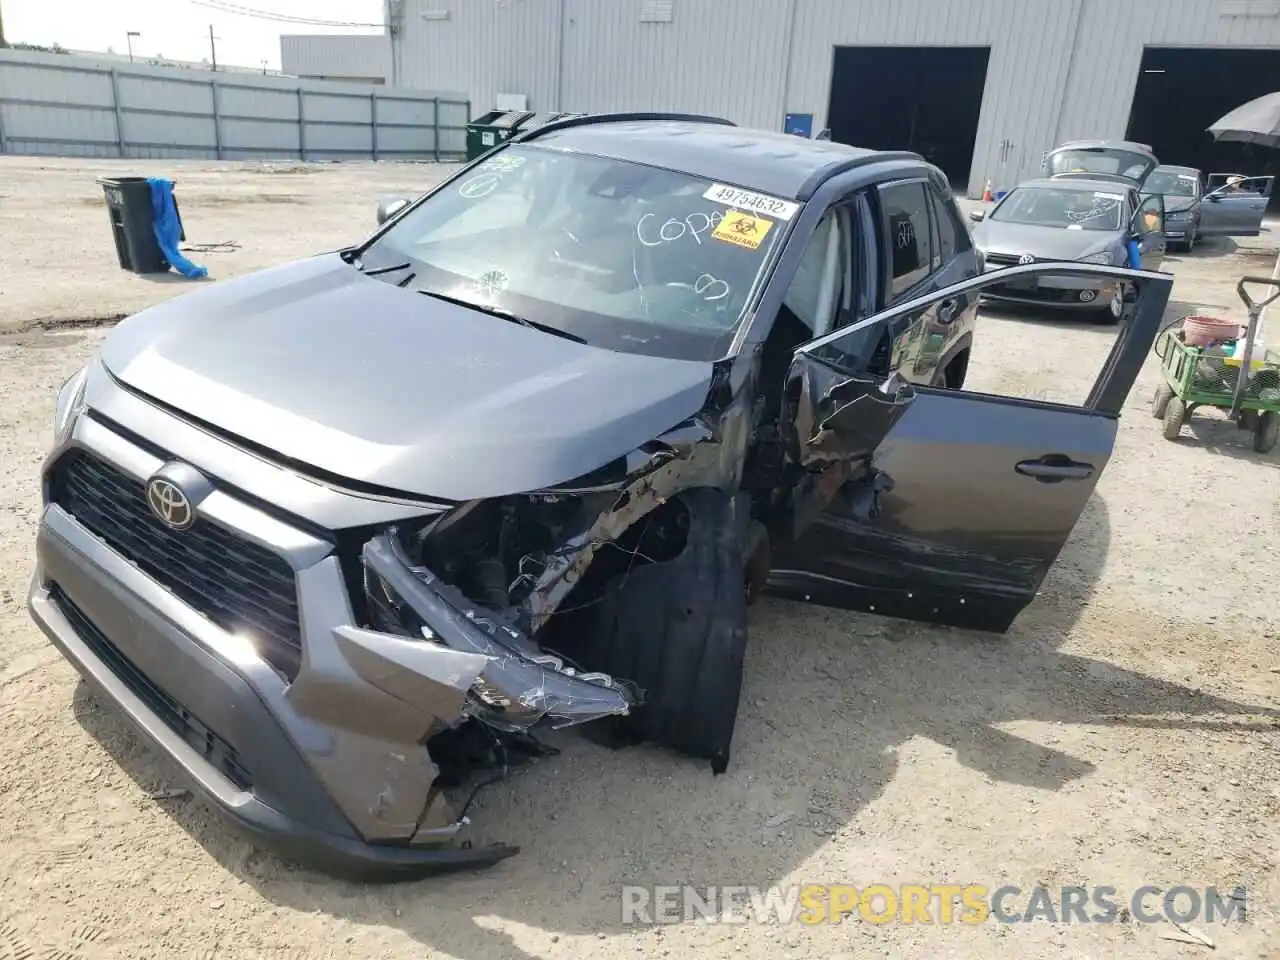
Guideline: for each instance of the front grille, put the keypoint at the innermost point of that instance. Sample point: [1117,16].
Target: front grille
[240,586]
[217,751]
[1048,295]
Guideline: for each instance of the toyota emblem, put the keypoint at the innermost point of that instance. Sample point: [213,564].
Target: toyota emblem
[1026,258]
[170,504]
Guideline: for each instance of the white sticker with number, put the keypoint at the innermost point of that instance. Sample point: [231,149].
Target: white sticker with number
[753,202]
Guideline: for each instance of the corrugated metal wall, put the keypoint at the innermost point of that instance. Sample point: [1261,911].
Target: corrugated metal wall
[1058,68]
[74,106]
[350,57]
[486,48]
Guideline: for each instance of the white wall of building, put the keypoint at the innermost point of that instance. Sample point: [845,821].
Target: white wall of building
[362,58]
[1058,68]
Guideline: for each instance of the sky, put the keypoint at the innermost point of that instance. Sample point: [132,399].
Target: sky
[177,29]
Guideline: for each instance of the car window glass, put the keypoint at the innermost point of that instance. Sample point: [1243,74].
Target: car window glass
[905,216]
[948,242]
[1172,184]
[1072,208]
[626,256]
[814,291]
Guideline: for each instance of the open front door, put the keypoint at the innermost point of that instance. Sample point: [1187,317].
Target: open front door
[1148,227]
[1234,205]
[957,514]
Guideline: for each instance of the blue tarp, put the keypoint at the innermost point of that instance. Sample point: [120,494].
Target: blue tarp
[168,231]
[1135,254]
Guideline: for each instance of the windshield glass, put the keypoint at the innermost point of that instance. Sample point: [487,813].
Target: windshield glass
[625,256]
[1123,163]
[1062,207]
[1173,184]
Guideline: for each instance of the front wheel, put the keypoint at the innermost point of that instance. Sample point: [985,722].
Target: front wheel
[1175,415]
[678,630]
[1113,311]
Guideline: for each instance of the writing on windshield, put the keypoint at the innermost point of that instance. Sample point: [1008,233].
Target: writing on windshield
[1061,207]
[624,255]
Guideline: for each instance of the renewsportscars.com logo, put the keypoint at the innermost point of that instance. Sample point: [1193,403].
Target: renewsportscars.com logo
[930,904]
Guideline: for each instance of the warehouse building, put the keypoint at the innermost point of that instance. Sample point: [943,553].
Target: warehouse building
[981,87]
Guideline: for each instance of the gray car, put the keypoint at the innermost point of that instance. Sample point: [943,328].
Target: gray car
[342,535]
[1182,192]
[1070,218]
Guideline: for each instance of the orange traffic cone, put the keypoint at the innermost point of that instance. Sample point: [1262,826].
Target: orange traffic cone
[986,193]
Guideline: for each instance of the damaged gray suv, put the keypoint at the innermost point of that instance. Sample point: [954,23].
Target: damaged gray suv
[338,535]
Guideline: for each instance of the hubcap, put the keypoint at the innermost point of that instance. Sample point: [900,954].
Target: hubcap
[1117,303]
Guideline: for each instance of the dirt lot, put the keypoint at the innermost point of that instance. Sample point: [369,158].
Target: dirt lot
[1123,734]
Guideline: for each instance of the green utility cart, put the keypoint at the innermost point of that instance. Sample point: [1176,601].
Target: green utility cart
[1228,377]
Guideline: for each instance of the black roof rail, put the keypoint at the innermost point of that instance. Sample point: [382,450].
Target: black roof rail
[811,185]
[590,118]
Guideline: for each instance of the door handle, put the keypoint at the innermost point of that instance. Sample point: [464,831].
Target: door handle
[1054,468]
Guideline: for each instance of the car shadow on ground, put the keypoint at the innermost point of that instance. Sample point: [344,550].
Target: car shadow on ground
[1209,248]
[831,702]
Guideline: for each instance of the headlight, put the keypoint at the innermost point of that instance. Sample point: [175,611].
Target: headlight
[1105,258]
[69,406]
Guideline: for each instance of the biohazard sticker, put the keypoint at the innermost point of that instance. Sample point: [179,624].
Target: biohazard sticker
[742,229]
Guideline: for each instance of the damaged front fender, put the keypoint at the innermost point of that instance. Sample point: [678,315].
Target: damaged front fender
[515,687]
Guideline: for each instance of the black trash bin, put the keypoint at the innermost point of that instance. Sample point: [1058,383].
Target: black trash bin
[129,208]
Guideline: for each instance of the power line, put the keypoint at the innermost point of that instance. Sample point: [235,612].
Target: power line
[225,6]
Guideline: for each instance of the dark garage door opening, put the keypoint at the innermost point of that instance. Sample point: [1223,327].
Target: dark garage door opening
[925,99]
[1183,90]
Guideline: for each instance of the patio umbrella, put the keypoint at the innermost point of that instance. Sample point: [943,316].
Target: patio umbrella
[1257,121]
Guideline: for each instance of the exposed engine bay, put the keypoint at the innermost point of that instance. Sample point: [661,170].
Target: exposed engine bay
[620,596]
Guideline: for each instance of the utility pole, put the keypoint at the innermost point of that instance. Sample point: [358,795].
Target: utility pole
[213,50]
[128,37]
[2,43]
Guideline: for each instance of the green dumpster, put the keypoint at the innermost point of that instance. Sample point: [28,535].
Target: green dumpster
[541,119]
[495,127]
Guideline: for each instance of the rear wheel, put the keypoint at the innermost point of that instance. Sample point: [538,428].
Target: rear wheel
[678,630]
[1265,432]
[1160,401]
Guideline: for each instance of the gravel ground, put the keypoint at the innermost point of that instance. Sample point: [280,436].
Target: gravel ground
[1123,733]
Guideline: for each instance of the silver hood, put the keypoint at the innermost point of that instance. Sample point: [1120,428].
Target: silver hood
[1043,243]
[324,366]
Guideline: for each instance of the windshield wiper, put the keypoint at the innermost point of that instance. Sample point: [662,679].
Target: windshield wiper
[504,314]
[377,271]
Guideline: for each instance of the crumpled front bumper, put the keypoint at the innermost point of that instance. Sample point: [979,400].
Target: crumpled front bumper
[195,707]
[330,767]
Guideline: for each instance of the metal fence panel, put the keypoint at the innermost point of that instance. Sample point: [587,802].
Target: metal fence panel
[62,105]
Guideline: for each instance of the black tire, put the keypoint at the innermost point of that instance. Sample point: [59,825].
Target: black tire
[1160,401]
[1111,312]
[1266,432]
[1175,415]
[678,631]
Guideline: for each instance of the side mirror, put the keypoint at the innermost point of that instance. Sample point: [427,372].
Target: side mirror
[977,216]
[389,208]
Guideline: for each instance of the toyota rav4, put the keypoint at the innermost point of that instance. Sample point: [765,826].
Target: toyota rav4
[335,534]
